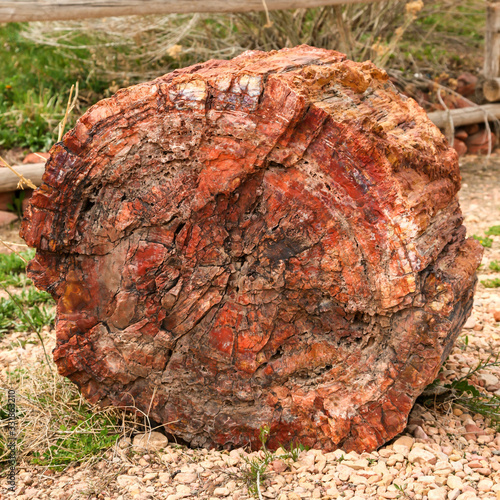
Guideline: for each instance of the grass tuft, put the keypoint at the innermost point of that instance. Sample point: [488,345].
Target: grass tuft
[255,472]
[484,240]
[493,231]
[492,283]
[14,263]
[463,392]
[79,442]
[44,399]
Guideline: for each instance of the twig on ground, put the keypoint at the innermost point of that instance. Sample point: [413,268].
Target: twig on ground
[28,319]
[69,107]
[7,245]
[258,485]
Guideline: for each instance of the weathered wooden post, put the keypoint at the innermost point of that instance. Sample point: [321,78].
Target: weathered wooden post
[491,70]
[274,239]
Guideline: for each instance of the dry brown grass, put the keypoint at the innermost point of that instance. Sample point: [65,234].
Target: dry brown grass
[54,421]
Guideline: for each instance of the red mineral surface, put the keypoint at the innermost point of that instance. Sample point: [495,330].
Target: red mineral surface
[271,240]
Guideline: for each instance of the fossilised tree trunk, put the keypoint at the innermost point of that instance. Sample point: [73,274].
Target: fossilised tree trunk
[274,239]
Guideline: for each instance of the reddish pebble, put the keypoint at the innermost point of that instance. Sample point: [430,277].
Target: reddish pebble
[467,84]
[35,158]
[474,464]
[478,143]
[278,466]
[474,429]
[6,200]
[484,471]
[459,146]
[472,129]
[6,218]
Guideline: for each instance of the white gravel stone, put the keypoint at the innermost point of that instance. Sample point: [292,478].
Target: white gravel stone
[357,479]
[470,323]
[437,494]
[393,459]
[454,482]
[186,477]
[468,495]
[357,464]
[183,489]
[488,378]
[485,485]
[421,456]
[403,445]
[125,480]
[153,441]
[221,492]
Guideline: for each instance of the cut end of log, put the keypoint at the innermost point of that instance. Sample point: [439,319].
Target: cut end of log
[491,90]
[272,240]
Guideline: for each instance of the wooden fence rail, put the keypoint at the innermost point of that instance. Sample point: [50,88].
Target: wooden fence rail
[49,10]
[466,116]
[9,180]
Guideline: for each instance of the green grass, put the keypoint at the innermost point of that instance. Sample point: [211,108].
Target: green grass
[461,391]
[492,283]
[28,309]
[79,442]
[472,398]
[295,450]
[56,426]
[14,263]
[255,472]
[484,240]
[256,468]
[446,37]
[465,20]
[493,231]
[494,265]
[34,90]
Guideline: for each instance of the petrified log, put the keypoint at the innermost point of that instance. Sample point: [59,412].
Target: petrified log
[274,239]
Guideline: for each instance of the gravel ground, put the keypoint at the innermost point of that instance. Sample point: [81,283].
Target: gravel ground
[445,453]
